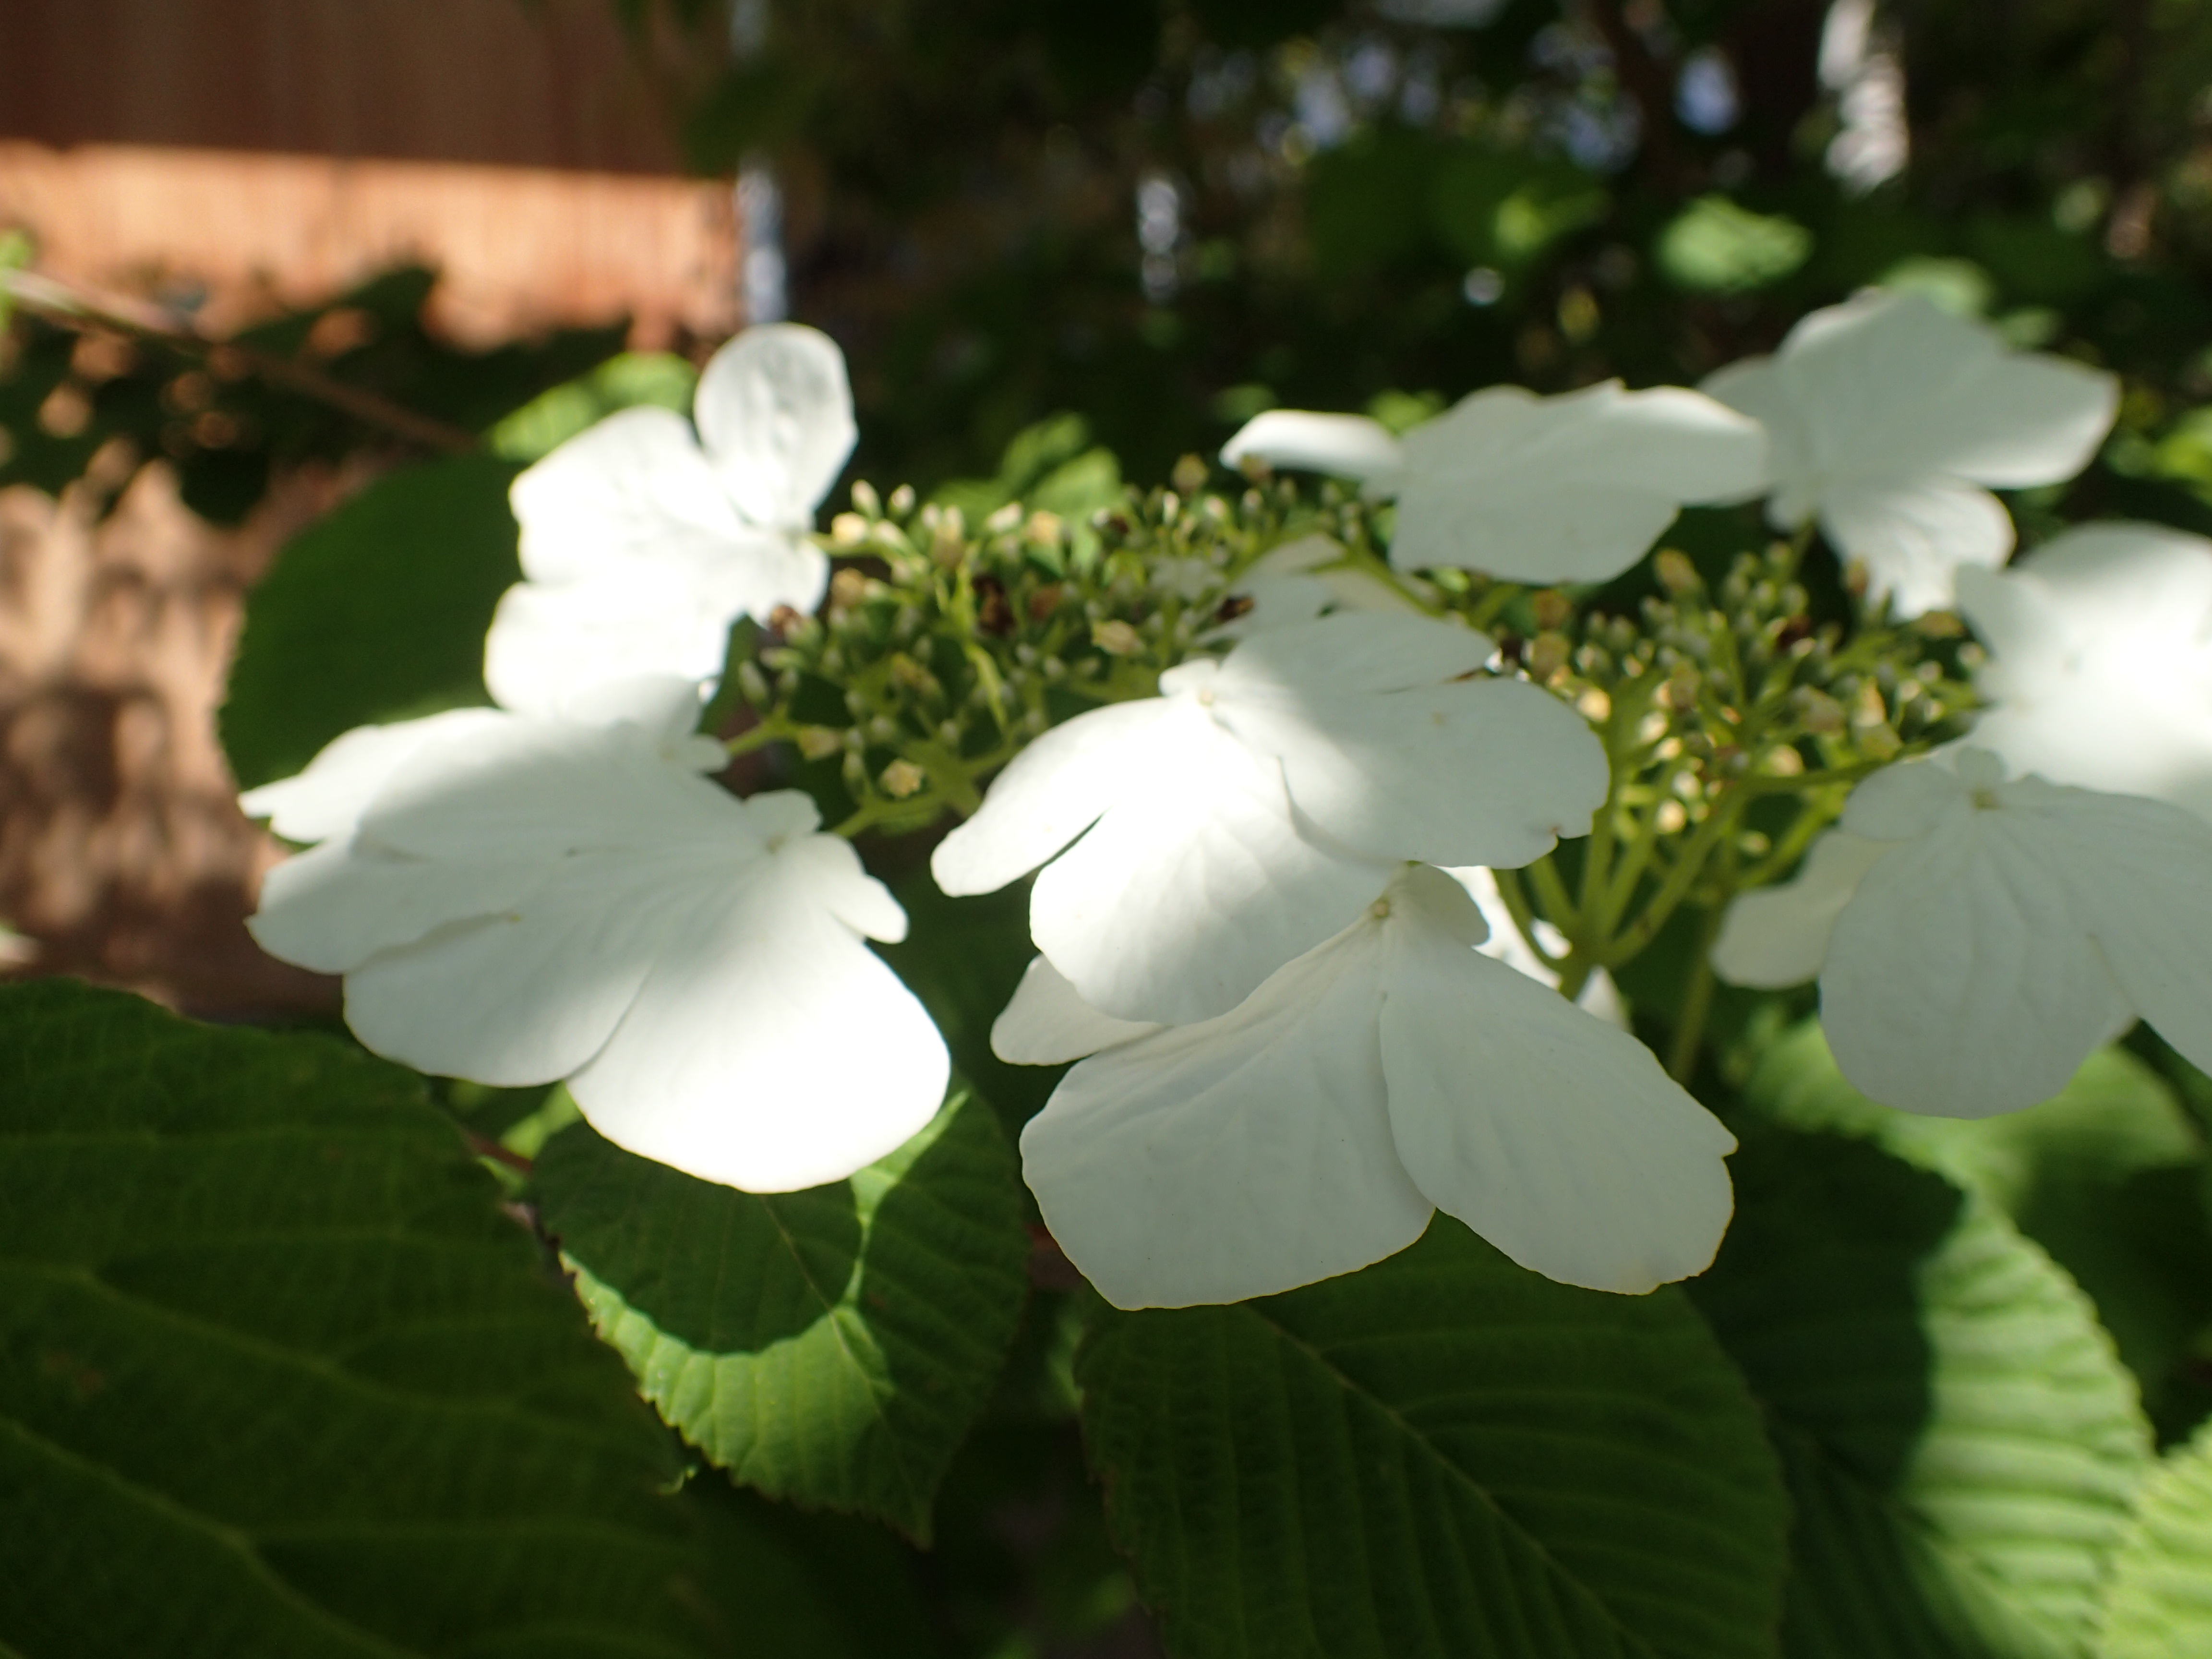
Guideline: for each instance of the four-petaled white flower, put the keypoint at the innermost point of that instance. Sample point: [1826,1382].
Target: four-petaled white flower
[641,542]
[1390,1072]
[1887,417]
[2100,666]
[1259,804]
[519,899]
[1976,939]
[1570,489]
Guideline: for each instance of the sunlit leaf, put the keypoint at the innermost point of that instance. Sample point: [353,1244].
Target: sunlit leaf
[1962,1445]
[2159,1604]
[829,1346]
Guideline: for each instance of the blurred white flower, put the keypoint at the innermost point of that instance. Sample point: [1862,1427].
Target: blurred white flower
[642,541]
[1259,804]
[1386,1073]
[1976,939]
[1570,489]
[516,899]
[1888,415]
[2100,666]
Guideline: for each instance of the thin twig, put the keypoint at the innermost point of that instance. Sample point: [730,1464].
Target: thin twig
[68,304]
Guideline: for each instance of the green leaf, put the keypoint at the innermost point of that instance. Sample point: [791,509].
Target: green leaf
[1442,1454]
[278,1378]
[829,1346]
[2105,1177]
[1960,1441]
[659,379]
[2160,1600]
[375,613]
[1714,246]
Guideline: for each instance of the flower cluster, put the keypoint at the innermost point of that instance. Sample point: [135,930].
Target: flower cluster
[1342,799]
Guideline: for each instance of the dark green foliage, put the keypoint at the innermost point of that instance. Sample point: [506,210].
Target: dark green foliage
[375,613]
[279,1378]
[1444,1456]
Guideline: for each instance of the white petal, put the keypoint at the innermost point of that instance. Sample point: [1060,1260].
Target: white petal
[1889,385]
[831,871]
[1343,446]
[333,908]
[769,1049]
[530,788]
[527,994]
[2140,873]
[1196,886]
[328,799]
[1960,979]
[1778,936]
[776,413]
[1552,1134]
[1047,1023]
[1049,795]
[1234,1158]
[1914,534]
[1567,489]
[1469,771]
[667,613]
[2100,672]
[634,486]
[1754,386]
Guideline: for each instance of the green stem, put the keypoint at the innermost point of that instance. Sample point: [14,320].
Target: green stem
[1697,1004]
[1524,918]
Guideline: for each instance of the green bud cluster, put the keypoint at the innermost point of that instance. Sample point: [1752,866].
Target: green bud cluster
[943,647]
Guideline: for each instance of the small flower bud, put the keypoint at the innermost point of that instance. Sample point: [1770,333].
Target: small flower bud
[1189,475]
[752,684]
[1045,529]
[855,772]
[883,728]
[1115,638]
[1676,573]
[902,778]
[819,742]
[847,587]
[902,501]
[1594,705]
[864,498]
[1670,817]
[1005,519]
[848,530]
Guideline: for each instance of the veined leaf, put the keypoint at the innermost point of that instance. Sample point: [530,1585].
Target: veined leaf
[1444,1456]
[2106,1177]
[278,1379]
[2160,1600]
[829,1346]
[1961,1442]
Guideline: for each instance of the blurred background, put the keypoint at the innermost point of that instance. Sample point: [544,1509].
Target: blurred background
[263,250]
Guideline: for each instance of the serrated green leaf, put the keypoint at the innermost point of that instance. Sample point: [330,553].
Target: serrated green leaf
[276,1378]
[1442,1454]
[2105,1177]
[2159,1604]
[829,1346]
[377,612]
[1960,1440]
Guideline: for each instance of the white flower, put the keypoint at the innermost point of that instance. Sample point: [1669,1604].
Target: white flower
[2101,671]
[641,542]
[1570,489]
[1887,415]
[1976,939]
[516,899]
[1388,1072]
[1259,804]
